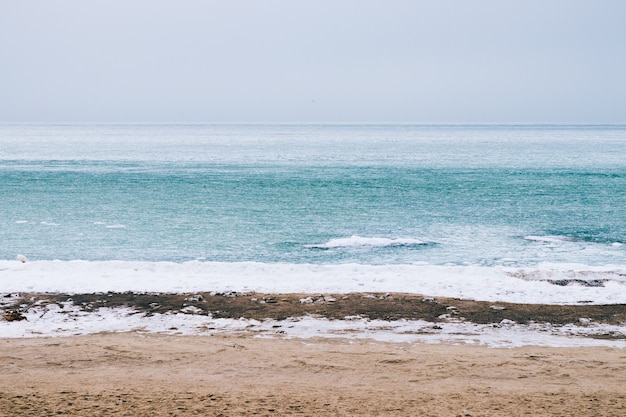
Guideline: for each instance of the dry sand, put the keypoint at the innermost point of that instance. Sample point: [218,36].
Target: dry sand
[132,374]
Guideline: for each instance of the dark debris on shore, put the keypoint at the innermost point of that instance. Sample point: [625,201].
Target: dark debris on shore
[374,306]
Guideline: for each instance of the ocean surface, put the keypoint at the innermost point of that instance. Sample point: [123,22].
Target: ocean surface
[488,195]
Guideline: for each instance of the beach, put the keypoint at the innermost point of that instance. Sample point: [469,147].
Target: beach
[133,374]
[374,354]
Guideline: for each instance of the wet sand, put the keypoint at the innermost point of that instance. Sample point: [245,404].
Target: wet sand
[132,374]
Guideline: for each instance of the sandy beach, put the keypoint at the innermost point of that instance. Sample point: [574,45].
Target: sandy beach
[250,371]
[132,374]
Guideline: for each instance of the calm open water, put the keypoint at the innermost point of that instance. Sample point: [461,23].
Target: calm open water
[372,194]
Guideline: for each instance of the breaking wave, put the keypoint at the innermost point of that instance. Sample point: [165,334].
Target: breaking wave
[359,241]
[549,239]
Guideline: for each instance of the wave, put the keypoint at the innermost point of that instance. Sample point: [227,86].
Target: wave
[115,226]
[542,284]
[574,239]
[549,238]
[109,226]
[359,241]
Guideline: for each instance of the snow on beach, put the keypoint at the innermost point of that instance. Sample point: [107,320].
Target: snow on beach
[544,284]
[54,320]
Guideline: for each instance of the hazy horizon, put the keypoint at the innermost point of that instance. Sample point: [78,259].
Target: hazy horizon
[244,61]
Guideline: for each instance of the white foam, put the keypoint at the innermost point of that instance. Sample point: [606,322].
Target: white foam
[359,241]
[518,285]
[21,221]
[49,224]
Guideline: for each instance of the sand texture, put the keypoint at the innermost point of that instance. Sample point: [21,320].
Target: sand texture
[132,374]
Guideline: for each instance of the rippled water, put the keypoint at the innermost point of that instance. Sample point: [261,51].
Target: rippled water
[372,194]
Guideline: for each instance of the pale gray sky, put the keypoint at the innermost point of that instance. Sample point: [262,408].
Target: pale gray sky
[313,61]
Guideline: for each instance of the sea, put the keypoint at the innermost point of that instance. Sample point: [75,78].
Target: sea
[314,193]
[465,196]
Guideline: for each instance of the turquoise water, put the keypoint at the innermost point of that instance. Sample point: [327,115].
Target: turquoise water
[485,195]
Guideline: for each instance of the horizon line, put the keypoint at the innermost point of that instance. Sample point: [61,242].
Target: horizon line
[269,123]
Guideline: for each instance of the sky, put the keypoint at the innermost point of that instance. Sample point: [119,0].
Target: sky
[387,61]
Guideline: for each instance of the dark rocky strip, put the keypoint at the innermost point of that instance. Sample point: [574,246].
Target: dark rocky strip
[375,306]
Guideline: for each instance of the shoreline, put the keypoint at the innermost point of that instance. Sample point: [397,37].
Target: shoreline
[130,374]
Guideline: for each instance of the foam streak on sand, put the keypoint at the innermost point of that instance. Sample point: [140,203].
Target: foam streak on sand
[544,284]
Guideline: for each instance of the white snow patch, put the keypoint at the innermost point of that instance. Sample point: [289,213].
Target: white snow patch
[517,285]
[67,320]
